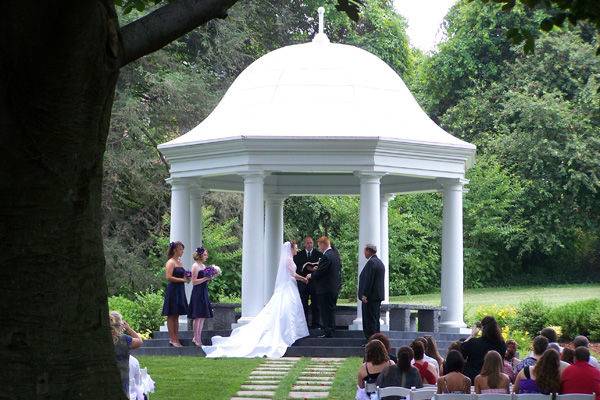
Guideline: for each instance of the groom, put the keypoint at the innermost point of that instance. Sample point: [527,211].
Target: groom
[326,282]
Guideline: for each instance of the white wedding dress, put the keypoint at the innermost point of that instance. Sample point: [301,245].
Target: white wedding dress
[277,326]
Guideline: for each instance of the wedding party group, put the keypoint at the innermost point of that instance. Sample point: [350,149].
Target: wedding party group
[307,287]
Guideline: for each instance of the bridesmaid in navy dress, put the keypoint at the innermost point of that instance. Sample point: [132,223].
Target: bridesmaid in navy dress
[200,307]
[175,303]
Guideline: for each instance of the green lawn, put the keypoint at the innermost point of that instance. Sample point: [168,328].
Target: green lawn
[197,378]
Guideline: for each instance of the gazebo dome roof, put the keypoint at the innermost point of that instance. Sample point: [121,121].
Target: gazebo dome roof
[319,90]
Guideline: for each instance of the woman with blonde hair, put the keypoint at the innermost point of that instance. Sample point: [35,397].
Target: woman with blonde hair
[200,307]
[124,339]
[492,379]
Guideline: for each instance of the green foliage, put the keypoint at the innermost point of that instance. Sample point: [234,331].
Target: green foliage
[143,313]
[595,325]
[556,12]
[505,315]
[532,316]
[224,251]
[576,318]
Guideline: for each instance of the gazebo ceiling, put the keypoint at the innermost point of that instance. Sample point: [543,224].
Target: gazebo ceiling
[318,107]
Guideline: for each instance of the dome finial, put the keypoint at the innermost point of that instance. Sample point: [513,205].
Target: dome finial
[321,12]
[321,37]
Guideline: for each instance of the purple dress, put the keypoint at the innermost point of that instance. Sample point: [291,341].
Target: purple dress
[175,301]
[528,385]
[200,306]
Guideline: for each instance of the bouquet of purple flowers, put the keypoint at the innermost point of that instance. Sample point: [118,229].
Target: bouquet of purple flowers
[188,274]
[212,271]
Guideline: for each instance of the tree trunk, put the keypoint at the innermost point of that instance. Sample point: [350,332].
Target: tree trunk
[58,69]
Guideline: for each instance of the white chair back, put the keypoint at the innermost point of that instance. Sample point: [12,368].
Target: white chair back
[494,396]
[422,394]
[451,396]
[393,391]
[533,396]
[576,396]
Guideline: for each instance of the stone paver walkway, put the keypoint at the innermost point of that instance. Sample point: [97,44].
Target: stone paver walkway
[264,379]
[316,379]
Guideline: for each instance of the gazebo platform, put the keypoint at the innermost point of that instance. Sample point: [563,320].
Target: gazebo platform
[346,343]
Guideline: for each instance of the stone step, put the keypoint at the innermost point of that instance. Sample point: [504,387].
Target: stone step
[262,382]
[258,387]
[308,395]
[311,388]
[263,393]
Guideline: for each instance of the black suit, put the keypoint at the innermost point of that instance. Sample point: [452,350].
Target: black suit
[371,285]
[327,282]
[307,291]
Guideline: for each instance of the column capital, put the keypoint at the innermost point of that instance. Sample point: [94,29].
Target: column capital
[369,176]
[177,183]
[387,197]
[253,176]
[275,197]
[452,183]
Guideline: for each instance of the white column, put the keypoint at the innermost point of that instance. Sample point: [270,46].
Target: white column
[452,256]
[384,254]
[369,225]
[196,194]
[273,240]
[180,226]
[253,246]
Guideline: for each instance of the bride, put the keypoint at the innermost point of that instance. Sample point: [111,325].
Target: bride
[278,325]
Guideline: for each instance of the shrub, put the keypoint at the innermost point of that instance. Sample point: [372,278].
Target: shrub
[532,316]
[505,316]
[575,318]
[143,314]
[123,305]
[595,325]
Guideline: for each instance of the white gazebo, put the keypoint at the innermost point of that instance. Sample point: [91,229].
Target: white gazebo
[318,119]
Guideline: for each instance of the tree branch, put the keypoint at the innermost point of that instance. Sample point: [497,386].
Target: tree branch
[159,28]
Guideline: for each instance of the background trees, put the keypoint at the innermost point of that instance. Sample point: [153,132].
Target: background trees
[531,210]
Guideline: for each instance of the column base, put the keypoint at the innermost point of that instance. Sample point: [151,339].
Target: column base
[183,325]
[242,321]
[356,325]
[454,327]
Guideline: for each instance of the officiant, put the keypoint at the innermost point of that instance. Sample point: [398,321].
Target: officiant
[307,292]
[371,290]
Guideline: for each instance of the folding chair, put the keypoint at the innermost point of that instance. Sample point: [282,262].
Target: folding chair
[451,396]
[422,394]
[576,396]
[494,396]
[393,391]
[533,396]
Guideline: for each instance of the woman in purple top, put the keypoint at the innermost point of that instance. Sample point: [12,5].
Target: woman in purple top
[544,377]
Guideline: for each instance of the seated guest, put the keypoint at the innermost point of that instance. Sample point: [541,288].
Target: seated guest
[402,374]
[124,339]
[426,370]
[454,381]
[453,346]
[386,342]
[431,350]
[511,355]
[475,348]
[581,377]
[582,341]
[540,344]
[567,355]
[430,360]
[557,348]
[552,337]
[543,378]
[376,360]
[491,379]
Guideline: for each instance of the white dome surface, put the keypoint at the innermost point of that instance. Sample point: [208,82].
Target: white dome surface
[319,90]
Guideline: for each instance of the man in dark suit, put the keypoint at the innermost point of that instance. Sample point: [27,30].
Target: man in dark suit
[307,291]
[327,282]
[371,290]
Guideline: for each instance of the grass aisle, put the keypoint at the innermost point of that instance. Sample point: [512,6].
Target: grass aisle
[197,378]
[344,384]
